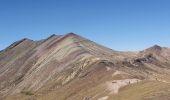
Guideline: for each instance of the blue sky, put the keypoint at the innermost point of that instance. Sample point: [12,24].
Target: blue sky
[118,24]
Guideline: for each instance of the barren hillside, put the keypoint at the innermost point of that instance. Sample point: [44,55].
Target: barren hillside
[70,67]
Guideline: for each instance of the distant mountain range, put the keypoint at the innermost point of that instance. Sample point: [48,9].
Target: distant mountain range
[70,67]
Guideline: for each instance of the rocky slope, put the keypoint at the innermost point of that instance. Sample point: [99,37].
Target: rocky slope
[70,67]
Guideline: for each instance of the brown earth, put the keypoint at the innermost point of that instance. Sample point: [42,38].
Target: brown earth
[70,67]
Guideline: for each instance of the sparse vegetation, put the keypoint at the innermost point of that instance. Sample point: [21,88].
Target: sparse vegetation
[27,93]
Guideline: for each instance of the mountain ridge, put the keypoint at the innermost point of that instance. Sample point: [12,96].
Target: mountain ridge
[61,65]
[74,34]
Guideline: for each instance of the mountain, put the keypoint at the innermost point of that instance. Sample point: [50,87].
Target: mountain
[70,67]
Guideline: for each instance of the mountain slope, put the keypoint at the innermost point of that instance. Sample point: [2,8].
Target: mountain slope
[70,67]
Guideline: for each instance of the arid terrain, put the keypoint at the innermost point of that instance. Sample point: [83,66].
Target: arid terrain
[70,67]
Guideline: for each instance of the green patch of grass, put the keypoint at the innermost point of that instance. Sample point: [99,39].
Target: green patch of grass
[27,93]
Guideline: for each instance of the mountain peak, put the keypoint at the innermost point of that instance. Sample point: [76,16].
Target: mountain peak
[155,47]
[25,39]
[19,42]
[53,36]
[71,33]
[74,35]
